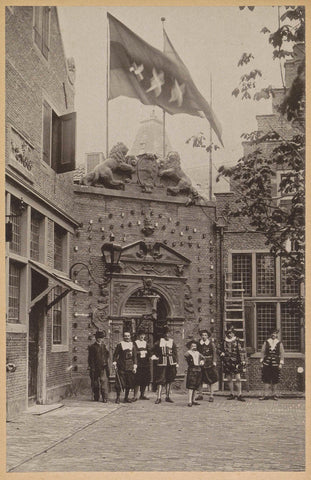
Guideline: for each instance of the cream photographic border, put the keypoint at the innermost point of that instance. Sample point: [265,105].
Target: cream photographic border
[150,475]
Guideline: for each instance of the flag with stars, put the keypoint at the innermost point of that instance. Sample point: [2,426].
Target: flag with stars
[138,70]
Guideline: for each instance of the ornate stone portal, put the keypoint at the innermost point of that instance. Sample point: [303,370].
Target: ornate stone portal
[149,291]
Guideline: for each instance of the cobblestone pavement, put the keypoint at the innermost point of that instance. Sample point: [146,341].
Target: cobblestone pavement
[220,436]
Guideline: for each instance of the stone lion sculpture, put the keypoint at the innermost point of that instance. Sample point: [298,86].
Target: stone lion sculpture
[170,168]
[116,162]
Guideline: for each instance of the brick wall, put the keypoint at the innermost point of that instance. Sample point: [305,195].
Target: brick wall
[30,78]
[16,382]
[188,230]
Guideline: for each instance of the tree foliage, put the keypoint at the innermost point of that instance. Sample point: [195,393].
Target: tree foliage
[276,209]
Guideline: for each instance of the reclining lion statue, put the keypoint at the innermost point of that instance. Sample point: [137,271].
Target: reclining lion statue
[170,168]
[116,162]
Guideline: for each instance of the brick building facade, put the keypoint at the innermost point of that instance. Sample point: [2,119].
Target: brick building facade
[247,257]
[39,154]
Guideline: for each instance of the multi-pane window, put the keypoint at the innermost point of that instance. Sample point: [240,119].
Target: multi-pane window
[266,319]
[42,29]
[57,318]
[289,285]
[290,328]
[36,220]
[242,271]
[265,274]
[14,293]
[15,244]
[59,235]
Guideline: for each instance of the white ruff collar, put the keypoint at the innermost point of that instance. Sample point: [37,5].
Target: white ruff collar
[126,345]
[230,339]
[141,343]
[272,342]
[206,342]
[166,343]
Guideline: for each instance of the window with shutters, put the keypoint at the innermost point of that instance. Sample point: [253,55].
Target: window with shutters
[59,139]
[42,29]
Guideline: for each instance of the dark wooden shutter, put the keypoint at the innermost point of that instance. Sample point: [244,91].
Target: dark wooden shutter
[249,309]
[45,31]
[67,150]
[47,114]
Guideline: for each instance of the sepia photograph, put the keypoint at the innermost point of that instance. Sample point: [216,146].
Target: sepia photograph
[154,251]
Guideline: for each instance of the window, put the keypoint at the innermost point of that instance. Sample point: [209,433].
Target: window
[266,319]
[35,225]
[58,149]
[290,328]
[59,237]
[15,245]
[265,274]
[57,318]
[14,293]
[42,29]
[242,270]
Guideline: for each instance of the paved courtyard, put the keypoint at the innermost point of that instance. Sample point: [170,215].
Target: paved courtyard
[220,436]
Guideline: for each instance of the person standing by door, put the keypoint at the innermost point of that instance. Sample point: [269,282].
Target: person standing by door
[99,370]
[142,360]
[123,362]
[165,352]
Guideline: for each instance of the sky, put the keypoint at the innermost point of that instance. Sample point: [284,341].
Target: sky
[210,41]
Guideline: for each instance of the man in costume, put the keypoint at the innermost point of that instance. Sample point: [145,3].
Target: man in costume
[209,373]
[272,360]
[233,358]
[98,364]
[195,362]
[141,359]
[123,362]
[165,352]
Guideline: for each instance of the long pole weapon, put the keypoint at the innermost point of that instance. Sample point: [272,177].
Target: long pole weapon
[107,90]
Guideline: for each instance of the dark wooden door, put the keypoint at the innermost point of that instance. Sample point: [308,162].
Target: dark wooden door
[33,352]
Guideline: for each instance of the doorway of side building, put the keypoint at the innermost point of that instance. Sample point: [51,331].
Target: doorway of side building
[36,340]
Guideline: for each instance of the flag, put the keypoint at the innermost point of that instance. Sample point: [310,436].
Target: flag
[138,70]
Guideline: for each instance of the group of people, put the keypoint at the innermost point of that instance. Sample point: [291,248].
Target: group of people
[131,361]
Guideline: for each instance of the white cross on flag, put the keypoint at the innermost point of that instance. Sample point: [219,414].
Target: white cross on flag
[165,81]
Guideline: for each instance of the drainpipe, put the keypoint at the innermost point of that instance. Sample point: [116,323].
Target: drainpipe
[221,224]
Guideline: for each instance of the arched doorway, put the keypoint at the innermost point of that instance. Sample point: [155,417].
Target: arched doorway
[149,312]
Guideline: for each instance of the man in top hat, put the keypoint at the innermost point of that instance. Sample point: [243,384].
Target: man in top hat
[209,373]
[233,358]
[165,351]
[123,362]
[141,359]
[98,364]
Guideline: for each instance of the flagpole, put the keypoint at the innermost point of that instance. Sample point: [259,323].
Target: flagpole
[163,111]
[211,140]
[107,91]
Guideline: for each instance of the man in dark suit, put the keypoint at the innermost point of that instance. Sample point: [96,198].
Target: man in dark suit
[99,369]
